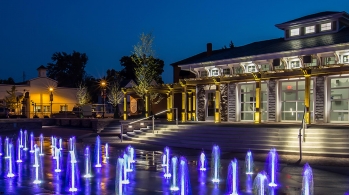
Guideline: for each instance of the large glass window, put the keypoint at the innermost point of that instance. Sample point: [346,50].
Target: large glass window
[345,58]
[248,101]
[226,71]
[203,73]
[292,100]
[339,98]
[214,72]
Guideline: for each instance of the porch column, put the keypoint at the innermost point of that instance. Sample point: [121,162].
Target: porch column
[146,105]
[194,105]
[217,116]
[257,113]
[189,105]
[169,106]
[307,99]
[125,105]
[184,104]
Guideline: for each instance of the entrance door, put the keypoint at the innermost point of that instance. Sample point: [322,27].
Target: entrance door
[210,105]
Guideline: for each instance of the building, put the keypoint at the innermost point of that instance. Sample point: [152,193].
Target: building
[305,74]
[40,96]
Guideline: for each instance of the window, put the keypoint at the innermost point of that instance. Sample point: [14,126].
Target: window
[47,108]
[345,58]
[309,29]
[203,73]
[214,72]
[64,107]
[295,64]
[294,32]
[38,108]
[226,71]
[326,26]
[251,68]
[329,60]
[264,67]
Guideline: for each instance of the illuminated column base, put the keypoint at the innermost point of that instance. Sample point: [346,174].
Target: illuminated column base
[184,117]
[257,117]
[217,117]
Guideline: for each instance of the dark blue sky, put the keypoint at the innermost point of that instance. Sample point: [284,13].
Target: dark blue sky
[31,31]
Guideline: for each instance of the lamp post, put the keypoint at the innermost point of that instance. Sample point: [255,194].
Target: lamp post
[34,108]
[51,98]
[103,84]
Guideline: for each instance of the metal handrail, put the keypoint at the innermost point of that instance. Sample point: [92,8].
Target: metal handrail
[303,127]
[153,118]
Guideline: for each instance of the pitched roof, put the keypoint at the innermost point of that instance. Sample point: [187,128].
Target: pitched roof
[313,16]
[269,46]
[41,67]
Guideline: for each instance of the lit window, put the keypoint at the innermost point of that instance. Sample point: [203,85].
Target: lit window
[295,64]
[346,58]
[203,74]
[47,108]
[226,71]
[309,29]
[64,108]
[329,60]
[294,32]
[326,26]
[251,68]
[214,72]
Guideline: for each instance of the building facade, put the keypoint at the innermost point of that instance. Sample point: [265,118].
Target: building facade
[39,96]
[305,74]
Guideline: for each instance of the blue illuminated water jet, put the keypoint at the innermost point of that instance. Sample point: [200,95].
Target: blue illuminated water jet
[19,151]
[131,154]
[232,178]
[87,163]
[166,157]
[174,170]
[41,145]
[184,180]
[10,163]
[249,163]
[119,176]
[106,151]
[202,162]
[125,179]
[7,151]
[36,164]
[272,167]
[215,164]
[25,140]
[98,152]
[20,136]
[32,142]
[58,159]
[307,184]
[1,151]
[72,172]
[260,184]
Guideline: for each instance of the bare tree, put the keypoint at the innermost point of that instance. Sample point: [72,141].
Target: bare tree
[83,95]
[115,97]
[143,57]
[12,100]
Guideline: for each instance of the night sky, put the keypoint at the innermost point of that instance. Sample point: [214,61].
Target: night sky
[31,31]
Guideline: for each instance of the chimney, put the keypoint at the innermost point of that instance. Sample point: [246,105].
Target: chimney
[209,49]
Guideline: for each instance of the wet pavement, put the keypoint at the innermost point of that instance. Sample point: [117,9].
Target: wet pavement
[331,175]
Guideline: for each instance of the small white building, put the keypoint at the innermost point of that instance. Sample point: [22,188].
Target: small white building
[41,96]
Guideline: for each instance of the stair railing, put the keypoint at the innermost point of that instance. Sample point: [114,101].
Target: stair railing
[303,127]
[153,119]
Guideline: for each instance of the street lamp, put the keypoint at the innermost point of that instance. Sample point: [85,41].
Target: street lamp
[51,99]
[103,85]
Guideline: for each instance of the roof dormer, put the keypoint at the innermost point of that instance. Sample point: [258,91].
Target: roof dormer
[314,25]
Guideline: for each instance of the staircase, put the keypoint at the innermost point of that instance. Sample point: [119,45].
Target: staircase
[319,140]
[110,133]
